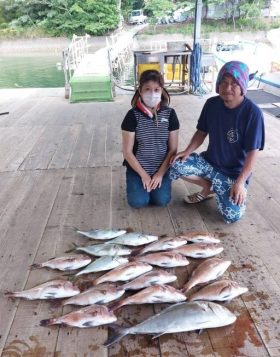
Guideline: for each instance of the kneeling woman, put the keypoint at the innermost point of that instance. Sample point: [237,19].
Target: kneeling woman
[150,139]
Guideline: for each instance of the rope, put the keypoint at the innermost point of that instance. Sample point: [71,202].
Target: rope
[195,75]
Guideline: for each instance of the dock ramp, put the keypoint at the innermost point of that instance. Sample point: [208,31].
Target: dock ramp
[87,76]
[91,80]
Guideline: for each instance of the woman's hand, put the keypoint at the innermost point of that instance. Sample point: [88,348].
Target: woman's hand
[183,155]
[156,181]
[146,180]
[238,193]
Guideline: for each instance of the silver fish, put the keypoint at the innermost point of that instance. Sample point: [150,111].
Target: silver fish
[200,250]
[96,295]
[54,289]
[124,272]
[133,239]
[101,250]
[164,244]
[102,234]
[152,295]
[199,237]
[164,259]
[153,277]
[206,271]
[104,263]
[90,316]
[181,317]
[222,290]
[71,262]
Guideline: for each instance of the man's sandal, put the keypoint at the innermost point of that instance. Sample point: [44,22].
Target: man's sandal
[197,197]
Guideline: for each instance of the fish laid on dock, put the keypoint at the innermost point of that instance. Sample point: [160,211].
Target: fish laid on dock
[181,317]
[90,316]
[66,263]
[222,290]
[124,272]
[152,295]
[199,237]
[133,239]
[164,259]
[150,278]
[200,250]
[54,289]
[102,234]
[167,243]
[101,250]
[207,271]
[96,295]
[103,263]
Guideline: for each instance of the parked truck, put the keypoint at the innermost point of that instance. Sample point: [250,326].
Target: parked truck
[137,17]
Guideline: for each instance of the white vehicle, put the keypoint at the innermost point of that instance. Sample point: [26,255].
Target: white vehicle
[137,17]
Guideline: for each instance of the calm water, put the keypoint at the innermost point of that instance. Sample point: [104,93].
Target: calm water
[33,71]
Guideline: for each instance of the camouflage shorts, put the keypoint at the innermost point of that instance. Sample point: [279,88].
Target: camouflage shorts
[196,165]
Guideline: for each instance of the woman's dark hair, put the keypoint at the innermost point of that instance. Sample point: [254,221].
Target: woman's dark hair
[155,76]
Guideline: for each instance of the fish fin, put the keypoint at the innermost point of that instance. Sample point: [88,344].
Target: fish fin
[118,333]
[158,335]
[88,324]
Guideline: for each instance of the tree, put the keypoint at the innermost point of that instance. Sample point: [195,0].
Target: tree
[158,8]
[65,17]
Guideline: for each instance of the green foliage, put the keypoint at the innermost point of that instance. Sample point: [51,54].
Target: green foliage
[99,17]
[158,8]
[62,17]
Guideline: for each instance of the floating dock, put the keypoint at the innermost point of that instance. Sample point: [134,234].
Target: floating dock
[61,167]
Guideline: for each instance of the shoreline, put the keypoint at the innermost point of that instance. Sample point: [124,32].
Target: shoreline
[58,44]
[53,45]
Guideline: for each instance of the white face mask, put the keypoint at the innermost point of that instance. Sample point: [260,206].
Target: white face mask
[151,99]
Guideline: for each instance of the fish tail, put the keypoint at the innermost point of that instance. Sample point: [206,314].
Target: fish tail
[186,288]
[135,252]
[129,230]
[36,266]
[74,228]
[114,306]
[118,333]
[11,294]
[55,303]
[47,322]
[97,281]
[74,247]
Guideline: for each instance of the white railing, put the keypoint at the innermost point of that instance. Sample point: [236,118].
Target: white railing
[72,57]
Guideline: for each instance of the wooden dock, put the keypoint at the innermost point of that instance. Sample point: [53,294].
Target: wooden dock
[61,167]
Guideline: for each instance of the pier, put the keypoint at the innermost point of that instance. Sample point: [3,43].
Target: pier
[61,167]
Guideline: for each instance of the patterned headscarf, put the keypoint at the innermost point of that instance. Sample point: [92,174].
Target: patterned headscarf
[238,70]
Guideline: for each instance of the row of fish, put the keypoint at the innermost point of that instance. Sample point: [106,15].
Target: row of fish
[136,273]
[181,317]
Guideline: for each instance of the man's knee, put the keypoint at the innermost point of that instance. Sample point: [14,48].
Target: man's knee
[231,215]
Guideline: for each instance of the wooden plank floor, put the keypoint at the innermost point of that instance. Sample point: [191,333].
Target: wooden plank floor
[60,167]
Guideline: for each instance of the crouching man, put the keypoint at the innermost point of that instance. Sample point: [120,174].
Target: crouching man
[235,127]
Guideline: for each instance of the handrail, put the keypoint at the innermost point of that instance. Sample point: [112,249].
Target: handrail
[72,57]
